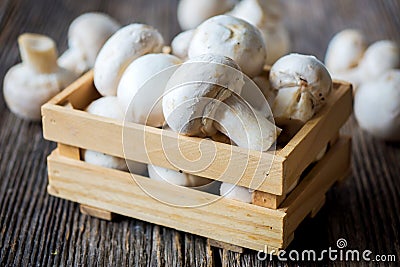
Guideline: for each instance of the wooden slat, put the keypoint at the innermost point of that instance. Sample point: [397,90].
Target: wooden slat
[69,151]
[95,212]
[80,93]
[223,245]
[267,200]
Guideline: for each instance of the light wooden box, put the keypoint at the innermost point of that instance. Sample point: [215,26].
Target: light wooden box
[270,221]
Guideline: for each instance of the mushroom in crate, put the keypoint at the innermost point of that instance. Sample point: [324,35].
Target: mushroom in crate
[142,86]
[231,37]
[180,178]
[180,44]
[191,13]
[267,17]
[110,107]
[304,85]
[126,45]
[202,99]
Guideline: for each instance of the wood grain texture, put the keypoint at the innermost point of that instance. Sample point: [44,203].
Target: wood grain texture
[36,229]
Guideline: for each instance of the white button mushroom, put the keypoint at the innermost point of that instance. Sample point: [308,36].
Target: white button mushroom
[180,44]
[191,13]
[142,86]
[266,16]
[110,107]
[239,193]
[345,51]
[86,36]
[176,177]
[379,58]
[233,38]
[193,90]
[27,86]
[258,12]
[303,85]
[377,106]
[201,98]
[348,59]
[126,45]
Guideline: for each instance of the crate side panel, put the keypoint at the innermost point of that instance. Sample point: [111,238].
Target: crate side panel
[307,195]
[224,220]
[164,148]
[302,150]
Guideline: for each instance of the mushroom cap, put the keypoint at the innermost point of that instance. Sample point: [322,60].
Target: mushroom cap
[345,50]
[25,90]
[180,44]
[299,79]
[191,13]
[260,13]
[104,160]
[266,16]
[110,107]
[238,193]
[377,106]
[194,89]
[175,177]
[142,86]
[379,58]
[126,45]
[231,37]
[89,32]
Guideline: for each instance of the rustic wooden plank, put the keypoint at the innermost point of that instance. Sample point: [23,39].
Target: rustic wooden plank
[33,226]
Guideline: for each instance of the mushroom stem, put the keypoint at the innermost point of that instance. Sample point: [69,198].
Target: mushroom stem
[245,126]
[39,52]
[73,60]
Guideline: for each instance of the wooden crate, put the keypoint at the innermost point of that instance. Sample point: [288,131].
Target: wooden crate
[79,129]
[106,191]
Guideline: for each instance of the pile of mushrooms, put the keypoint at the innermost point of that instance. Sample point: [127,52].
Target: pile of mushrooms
[372,71]
[264,15]
[201,90]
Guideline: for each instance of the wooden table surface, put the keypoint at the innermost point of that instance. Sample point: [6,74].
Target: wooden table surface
[37,229]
